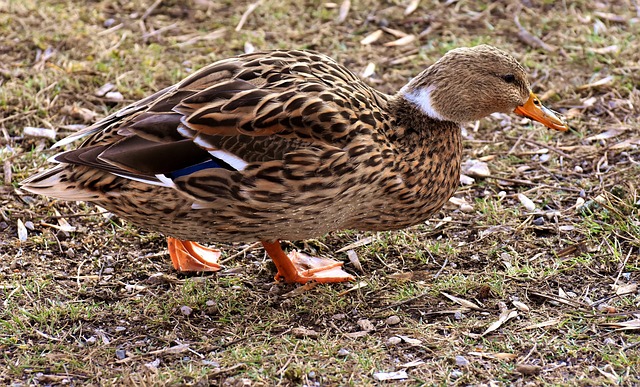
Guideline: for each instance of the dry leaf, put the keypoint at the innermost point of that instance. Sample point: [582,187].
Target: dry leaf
[64,225]
[39,132]
[369,70]
[541,325]
[601,82]
[104,89]
[22,231]
[610,17]
[410,340]
[411,364]
[401,42]
[605,135]
[412,6]
[505,356]
[504,317]
[361,242]
[624,325]
[396,375]
[396,33]
[372,37]
[357,286]
[526,202]
[353,258]
[626,289]
[521,306]
[605,50]
[461,301]
[344,11]
[300,290]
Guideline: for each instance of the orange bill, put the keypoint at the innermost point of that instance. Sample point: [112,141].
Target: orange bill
[535,110]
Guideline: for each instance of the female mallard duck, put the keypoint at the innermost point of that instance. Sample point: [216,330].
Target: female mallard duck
[287,145]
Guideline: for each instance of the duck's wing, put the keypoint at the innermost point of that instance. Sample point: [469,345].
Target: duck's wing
[253,108]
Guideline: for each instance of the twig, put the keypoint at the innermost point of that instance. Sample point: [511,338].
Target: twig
[252,7]
[250,247]
[150,9]
[623,265]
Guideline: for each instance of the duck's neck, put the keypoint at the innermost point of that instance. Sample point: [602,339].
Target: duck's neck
[427,145]
[413,123]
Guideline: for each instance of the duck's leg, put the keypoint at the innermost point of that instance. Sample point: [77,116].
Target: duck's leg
[301,268]
[191,256]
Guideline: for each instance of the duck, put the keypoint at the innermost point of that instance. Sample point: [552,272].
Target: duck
[287,145]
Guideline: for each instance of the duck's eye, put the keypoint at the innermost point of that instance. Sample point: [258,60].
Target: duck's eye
[509,78]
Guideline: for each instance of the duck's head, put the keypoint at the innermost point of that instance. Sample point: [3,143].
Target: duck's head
[467,84]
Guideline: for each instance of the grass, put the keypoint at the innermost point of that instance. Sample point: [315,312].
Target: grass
[101,306]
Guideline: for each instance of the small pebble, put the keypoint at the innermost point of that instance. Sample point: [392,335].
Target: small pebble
[29,224]
[539,221]
[121,354]
[393,340]
[458,315]
[609,341]
[365,325]
[91,340]
[108,270]
[578,169]
[343,352]
[70,253]
[392,320]
[455,374]
[210,303]
[186,310]
[461,361]
[339,316]
[120,329]
[109,22]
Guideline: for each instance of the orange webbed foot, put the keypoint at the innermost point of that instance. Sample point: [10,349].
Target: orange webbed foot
[300,268]
[192,256]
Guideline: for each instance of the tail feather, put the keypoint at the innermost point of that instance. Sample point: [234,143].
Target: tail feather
[55,183]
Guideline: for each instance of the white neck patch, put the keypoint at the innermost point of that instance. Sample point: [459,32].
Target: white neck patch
[422,98]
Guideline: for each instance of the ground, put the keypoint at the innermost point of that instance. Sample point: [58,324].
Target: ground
[494,290]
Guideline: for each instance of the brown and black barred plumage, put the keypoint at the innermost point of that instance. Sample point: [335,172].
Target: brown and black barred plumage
[286,145]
